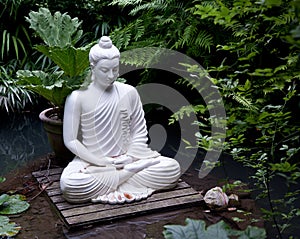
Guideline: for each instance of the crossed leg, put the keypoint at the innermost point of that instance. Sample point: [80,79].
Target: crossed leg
[127,172]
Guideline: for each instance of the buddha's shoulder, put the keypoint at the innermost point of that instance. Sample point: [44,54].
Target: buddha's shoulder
[78,94]
[125,88]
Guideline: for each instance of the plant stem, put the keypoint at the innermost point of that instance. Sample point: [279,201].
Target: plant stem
[267,185]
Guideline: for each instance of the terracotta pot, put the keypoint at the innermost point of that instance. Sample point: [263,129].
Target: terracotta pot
[54,129]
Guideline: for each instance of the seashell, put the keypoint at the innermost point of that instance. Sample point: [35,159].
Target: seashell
[231,209]
[215,197]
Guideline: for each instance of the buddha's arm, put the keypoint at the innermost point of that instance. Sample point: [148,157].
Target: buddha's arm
[70,131]
[138,129]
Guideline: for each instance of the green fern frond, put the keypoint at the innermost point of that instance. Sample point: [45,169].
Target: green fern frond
[204,40]
[124,3]
[247,103]
[139,29]
[122,36]
[281,20]
[153,5]
[188,36]
[169,20]
[187,110]
[238,30]
[145,56]
[287,18]
[192,36]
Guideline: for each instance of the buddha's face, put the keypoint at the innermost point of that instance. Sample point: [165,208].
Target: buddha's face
[106,72]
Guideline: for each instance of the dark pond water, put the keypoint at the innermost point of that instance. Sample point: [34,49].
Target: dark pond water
[22,139]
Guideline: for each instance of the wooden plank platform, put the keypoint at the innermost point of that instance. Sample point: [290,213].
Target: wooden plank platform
[76,215]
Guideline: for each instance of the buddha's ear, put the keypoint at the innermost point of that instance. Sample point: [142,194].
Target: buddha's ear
[92,66]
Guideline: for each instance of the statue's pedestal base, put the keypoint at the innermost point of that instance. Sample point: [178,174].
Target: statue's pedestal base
[78,215]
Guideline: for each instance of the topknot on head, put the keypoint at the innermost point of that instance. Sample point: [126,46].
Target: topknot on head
[104,49]
[105,42]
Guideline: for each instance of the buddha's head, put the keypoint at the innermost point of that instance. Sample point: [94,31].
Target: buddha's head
[104,60]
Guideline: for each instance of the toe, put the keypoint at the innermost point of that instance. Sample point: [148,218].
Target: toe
[129,197]
[119,197]
[111,198]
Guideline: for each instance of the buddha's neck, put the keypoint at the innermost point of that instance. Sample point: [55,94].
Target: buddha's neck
[99,88]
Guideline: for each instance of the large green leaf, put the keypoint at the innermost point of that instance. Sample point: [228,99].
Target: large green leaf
[54,87]
[56,94]
[35,78]
[3,198]
[14,205]
[73,61]
[60,32]
[56,30]
[7,228]
[195,229]
[252,233]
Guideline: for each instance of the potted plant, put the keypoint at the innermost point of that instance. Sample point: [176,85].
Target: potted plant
[60,33]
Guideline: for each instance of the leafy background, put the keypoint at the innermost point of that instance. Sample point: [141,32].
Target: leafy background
[249,48]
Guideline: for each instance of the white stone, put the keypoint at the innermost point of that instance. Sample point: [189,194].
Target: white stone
[216,197]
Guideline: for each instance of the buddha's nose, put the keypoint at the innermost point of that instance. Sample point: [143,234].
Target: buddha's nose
[110,74]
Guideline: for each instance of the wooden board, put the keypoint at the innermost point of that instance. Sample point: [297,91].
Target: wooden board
[75,215]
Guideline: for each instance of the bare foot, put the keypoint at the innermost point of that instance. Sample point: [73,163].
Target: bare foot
[114,198]
[140,196]
[119,198]
[102,199]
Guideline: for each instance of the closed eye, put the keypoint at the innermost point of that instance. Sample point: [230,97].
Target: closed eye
[104,70]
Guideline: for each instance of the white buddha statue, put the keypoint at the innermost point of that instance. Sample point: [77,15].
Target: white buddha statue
[104,127]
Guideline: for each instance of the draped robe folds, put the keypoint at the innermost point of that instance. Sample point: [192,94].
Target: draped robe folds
[115,127]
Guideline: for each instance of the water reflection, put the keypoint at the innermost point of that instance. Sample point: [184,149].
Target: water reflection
[22,138]
[149,225]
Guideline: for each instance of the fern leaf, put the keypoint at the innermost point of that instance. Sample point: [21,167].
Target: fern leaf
[204,40]
[245,102]
[153,6]
[124,3]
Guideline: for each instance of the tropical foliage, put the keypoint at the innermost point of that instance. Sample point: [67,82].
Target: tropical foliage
[60,33]
[260,95]
[15,37]
[251,51]
[12,97]
[15,48]
[220,230]
[10,204]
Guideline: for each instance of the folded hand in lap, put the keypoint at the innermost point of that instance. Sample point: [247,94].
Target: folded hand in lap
[140,165]
[122,160]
